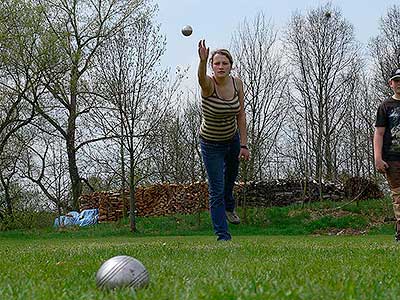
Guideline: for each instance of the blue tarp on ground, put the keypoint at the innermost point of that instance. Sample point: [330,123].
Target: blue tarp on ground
[85,218]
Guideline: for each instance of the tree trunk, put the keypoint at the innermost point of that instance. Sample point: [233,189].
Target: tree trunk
[132,200]
[7,198]
[122,154]
[71,150]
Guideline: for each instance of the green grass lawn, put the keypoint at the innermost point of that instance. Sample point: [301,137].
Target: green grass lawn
[278,253]
[198,267]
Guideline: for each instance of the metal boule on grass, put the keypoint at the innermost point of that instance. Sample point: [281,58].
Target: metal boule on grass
[122,271]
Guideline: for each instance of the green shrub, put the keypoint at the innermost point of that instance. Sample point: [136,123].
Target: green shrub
[28,220]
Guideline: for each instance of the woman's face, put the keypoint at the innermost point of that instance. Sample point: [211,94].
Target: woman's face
[221,65]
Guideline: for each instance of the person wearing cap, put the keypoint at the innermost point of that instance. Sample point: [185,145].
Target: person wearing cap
[387,143]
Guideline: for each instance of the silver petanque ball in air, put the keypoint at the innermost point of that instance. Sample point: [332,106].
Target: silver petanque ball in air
[187,30]
[122,271]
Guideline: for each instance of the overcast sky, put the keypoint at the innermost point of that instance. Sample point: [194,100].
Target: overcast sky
[216,20]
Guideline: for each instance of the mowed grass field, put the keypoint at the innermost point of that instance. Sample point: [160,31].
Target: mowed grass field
[293,252]
[197,267]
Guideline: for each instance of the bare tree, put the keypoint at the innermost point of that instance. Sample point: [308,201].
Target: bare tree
[260,65]
[20,76]
[137,94]
[355,156]
[175,149]
[21,28]
[385,51]
[168,150]
[325,61]
[192,117]
[78,29]
[8,172]
[44,162]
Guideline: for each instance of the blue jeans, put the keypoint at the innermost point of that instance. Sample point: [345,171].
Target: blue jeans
[221,161]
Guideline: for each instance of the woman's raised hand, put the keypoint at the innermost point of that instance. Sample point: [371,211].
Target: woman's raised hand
[203,50]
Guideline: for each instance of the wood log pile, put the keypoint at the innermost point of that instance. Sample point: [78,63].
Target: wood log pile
[286,192]
[168,199]
[154,200]
[362,188]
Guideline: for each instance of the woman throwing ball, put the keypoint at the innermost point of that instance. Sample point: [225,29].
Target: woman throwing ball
[223,137]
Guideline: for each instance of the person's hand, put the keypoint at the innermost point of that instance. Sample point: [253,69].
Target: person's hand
[381,165]
[244,154]
[203,50]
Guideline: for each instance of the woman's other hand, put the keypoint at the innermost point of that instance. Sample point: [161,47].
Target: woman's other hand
[203,50]
[244,154]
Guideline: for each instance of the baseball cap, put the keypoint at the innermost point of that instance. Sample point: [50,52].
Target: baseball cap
[395,74]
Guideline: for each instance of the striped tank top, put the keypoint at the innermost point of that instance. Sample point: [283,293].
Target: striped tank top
[219,116]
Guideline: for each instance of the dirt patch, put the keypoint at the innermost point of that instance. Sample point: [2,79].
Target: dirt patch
[321,212]
[340,231]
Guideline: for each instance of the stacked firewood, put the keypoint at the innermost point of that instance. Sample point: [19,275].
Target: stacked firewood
[168,199]
[154,200]
[362,188]
[110,204]
[285,192]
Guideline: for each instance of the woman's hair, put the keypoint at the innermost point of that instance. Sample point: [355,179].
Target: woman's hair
[221,52]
